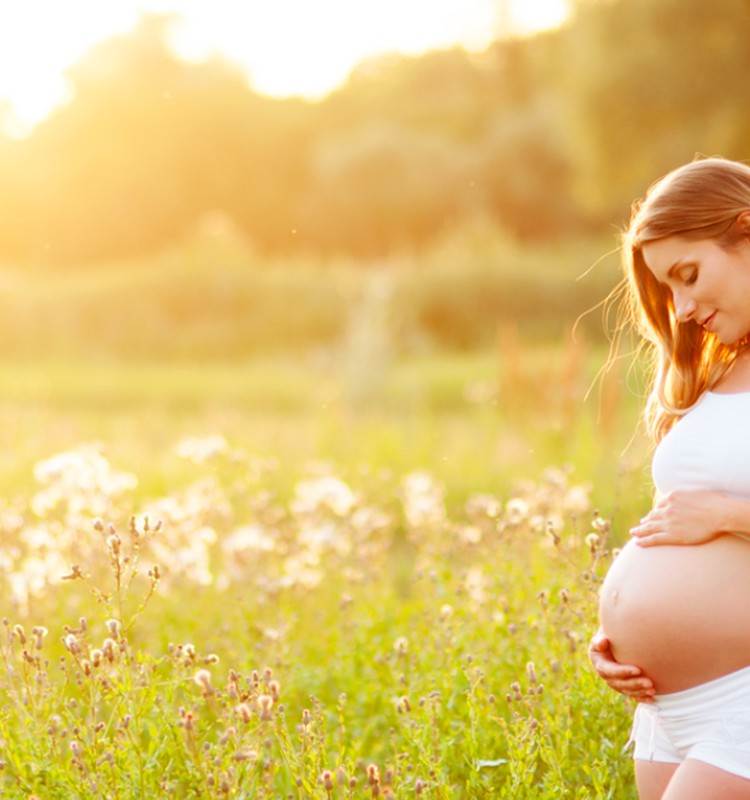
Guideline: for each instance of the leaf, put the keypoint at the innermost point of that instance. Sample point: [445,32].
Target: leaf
[496,763]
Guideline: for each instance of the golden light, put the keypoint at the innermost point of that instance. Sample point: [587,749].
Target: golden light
[528,16]
[287,47]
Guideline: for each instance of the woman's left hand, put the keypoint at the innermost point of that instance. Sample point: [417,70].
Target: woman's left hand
[682,518]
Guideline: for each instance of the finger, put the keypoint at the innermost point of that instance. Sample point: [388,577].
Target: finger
[649,529]
[656,539]
[611,671]
[638,690]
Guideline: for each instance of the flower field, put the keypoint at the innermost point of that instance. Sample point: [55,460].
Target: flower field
[205,619]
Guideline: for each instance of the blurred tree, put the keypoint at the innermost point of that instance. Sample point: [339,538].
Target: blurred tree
[149,144]
[544,134]
[652,83]
[382,187]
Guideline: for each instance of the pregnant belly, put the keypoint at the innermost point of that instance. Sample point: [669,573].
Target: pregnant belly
[682,614]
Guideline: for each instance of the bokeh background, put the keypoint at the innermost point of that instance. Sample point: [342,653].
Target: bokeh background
[309,211]
[161,204]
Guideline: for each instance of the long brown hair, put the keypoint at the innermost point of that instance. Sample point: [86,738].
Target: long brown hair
[700,200]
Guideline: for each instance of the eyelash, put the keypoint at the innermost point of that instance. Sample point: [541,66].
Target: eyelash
[692,278]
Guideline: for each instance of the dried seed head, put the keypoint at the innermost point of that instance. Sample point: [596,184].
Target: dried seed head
[326,778]
[245,712]
[72,645]
[39,634]
[203,679]
[245,754]
[109,648]
[113,626]
[265,702]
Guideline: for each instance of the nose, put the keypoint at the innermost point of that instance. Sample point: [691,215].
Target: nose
[684,307]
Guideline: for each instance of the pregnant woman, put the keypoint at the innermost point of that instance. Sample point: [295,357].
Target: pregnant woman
[675,604]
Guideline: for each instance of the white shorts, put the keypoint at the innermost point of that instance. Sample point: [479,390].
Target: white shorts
[709,722]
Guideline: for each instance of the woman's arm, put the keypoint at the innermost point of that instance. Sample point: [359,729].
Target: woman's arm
[692,517]
[623,678]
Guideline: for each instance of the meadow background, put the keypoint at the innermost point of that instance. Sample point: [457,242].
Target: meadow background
[310,467]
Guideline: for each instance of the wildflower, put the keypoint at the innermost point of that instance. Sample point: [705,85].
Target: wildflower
[243,709]
[75,572]
[576,499]
[306,717]
[470,534]
[483,505]
[200,450]
[446,612]
[275,688]
[324,492]
[39,634]
[245,754]
[401,646]
[423,499]
[326,779]
[187,719]
[203,679]
[113,544]
[516,510]
[592,541]
[72,644]
[109,648]
[265,701]
[373,774]
[600,524]
[113,626]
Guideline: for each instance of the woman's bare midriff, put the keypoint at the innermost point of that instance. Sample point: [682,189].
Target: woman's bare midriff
[682,614]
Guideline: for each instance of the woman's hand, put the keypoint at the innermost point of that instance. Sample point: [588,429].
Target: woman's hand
[623,678]
[683,518]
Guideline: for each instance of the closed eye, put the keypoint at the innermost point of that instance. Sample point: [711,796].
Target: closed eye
[691,278]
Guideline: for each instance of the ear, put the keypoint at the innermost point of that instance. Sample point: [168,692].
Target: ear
[743,222]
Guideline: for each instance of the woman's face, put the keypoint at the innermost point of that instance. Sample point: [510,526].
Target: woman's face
[710,285]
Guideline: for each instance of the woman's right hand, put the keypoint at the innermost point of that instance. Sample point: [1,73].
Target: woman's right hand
[624,678]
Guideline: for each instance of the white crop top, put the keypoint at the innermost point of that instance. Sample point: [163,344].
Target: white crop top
[709,448]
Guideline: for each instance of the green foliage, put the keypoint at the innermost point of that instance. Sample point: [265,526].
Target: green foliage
[213,297]
[344,641]
[550,136]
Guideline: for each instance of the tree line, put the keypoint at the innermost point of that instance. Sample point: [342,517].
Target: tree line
[551,136]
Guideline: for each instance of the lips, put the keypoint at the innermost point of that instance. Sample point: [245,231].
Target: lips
[707,321]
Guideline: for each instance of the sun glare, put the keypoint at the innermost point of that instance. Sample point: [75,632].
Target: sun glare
[287,47]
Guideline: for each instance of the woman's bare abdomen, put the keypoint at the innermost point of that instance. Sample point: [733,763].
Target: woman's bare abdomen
[682,614]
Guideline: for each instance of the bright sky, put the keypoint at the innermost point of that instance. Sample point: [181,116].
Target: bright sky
[288,47]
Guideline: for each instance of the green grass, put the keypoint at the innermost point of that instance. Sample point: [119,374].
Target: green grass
[398,556]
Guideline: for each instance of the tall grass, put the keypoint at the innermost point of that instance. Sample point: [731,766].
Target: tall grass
[245,580]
